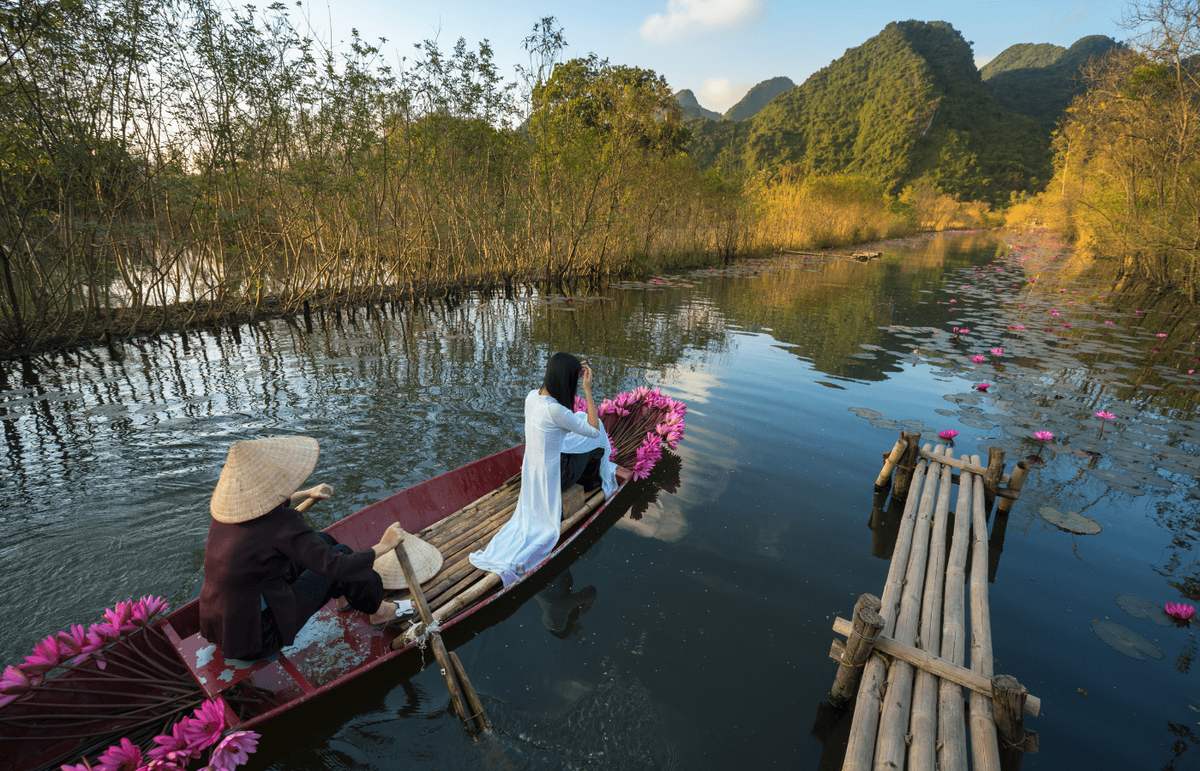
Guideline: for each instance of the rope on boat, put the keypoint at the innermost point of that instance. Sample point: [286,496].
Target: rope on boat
[421,637]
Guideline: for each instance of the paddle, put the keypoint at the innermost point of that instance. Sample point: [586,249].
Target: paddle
[452,668]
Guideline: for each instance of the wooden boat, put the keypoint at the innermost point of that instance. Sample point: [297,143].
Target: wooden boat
[458,512]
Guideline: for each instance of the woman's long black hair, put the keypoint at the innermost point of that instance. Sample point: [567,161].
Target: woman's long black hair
[562,378]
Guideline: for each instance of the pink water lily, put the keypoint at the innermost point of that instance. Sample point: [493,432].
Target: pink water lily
[46,656]
[1160,335]
[1109,323]
[979,358]
[983,387]
[123,756]
[953,301]
[997,351]
[1105,415]
[1180,611]
[947,434]
[233,751]
[964,331]
[1017,327]
[1054,313]
[1044,436]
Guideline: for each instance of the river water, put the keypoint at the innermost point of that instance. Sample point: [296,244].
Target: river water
[694,631]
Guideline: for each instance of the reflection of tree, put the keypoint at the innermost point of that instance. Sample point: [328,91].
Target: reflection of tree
[828,309]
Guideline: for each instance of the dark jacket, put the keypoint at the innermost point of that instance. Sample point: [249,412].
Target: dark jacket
[254,561]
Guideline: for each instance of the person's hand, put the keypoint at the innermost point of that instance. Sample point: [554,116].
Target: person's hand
[587,377]
[320,492]
[392,537]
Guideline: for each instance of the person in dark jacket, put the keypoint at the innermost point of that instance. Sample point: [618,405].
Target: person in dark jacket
[266,572]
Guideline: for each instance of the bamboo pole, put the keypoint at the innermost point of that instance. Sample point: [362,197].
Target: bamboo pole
[984,750]
[908,464]
[993,476]
[859,644]
[479,714]
[1015,483]
[923,724]
[889,463]
[860,745]
[962,464]
[891,743]
[952,729]
[435,639]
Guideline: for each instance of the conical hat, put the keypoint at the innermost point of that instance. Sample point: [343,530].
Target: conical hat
[425,558]
[260,474]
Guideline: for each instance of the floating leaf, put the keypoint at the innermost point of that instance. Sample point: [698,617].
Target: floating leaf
[1071,521]
[1140,607]
[1125,640]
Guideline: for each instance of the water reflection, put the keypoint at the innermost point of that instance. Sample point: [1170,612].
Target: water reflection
[562,606]
[798,373]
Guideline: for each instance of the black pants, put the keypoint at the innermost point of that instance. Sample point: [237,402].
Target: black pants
[581,467]
[312,590]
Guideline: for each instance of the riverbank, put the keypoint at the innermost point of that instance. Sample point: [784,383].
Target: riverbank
[113,326]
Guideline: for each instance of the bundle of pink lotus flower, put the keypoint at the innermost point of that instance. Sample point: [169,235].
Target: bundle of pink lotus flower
[180,746]
[639,423]
[120,676]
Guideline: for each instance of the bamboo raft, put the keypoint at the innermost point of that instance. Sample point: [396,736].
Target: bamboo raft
[920,705]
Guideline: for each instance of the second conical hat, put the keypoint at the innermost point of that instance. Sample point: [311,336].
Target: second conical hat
[425,558]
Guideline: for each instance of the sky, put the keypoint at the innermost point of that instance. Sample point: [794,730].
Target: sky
[717,48]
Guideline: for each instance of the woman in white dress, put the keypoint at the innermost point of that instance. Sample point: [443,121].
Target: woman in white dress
[530,536]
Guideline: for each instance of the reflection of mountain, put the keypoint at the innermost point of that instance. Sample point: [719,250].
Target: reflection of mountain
[828,310]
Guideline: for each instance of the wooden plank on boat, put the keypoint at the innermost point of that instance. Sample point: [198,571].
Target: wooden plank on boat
[985,750]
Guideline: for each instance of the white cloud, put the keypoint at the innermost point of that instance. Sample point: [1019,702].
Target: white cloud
[720,93]
[684,16]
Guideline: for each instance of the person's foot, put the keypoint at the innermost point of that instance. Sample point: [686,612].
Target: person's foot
[385,613]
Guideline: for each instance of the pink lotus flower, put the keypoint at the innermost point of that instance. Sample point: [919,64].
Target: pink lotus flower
[953,301]
[1044,436]
[964,331]
[1160,335]
[947,434]
[979,358]
[1105,415]
[1017,327]
[234,750]
[997,351]
[1109,323]
[123,756]
[1180,611]
[1054,314]
[46,656]
[203,729]
[983,387]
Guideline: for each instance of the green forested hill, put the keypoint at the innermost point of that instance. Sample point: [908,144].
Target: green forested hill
[692,108]
[907,104]
[1022,56]
[756,98]
[1040,80]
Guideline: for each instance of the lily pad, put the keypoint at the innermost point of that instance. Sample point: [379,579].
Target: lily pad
[1140,607]
[1124,640]
[1070,521]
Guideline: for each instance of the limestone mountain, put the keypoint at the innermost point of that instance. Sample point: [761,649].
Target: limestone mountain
[907,104]
[757,97]
[1041,79]
[692,108]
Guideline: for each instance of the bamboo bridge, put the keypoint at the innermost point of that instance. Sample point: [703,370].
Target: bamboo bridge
[919,704]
